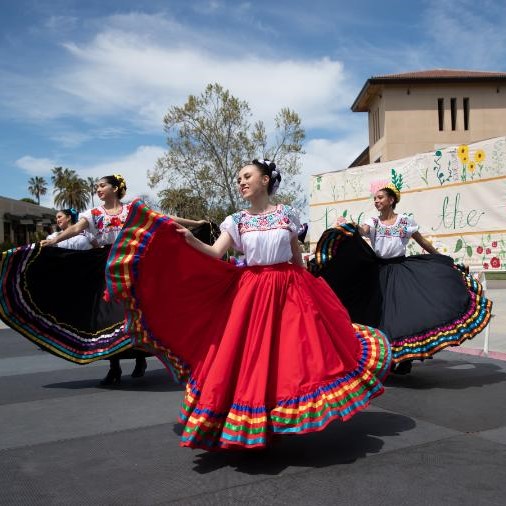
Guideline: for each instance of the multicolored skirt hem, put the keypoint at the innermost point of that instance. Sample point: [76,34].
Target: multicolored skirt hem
[252,427]
[467,326]
[53,297]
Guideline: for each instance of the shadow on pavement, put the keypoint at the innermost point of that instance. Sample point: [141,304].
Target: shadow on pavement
[449,374]
[339,443]
[158,380]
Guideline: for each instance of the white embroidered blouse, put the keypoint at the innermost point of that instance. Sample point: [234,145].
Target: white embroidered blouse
[263,238]
[105,227]
[390,241]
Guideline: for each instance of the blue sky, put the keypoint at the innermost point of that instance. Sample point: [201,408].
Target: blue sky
[85,84]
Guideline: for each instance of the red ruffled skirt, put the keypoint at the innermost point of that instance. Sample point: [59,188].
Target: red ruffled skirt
[264,350]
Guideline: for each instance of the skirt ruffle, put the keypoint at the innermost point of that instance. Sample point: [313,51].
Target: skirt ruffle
[423,303]
[265,349]
[53,297]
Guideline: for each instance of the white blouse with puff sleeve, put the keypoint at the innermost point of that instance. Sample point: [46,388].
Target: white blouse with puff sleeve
[390,241]
[265,239]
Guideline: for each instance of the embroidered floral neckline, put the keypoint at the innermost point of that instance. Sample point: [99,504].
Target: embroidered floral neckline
[115,214]
[392,224]
[262,214]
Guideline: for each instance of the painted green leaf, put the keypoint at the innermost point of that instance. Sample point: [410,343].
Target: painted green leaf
[458,246]
[345,213]
[469,251]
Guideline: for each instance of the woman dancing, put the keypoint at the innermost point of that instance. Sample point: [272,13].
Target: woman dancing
[105,222]
[423,303]
[266,348]
[54,296]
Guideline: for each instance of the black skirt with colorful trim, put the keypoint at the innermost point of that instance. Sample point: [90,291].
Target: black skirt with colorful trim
[423,303]
[54,297]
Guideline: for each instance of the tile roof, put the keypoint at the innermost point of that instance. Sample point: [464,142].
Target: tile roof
[442,73]
[374,83]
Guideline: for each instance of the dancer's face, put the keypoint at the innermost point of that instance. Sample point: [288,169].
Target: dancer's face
[63,220]
[252,182]
[382,201]
[105,190]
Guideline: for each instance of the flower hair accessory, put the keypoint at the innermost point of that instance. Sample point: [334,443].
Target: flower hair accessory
[396,191]
[74,215]
[121,181]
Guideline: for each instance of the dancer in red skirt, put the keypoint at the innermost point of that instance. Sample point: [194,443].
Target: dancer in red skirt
[267,348]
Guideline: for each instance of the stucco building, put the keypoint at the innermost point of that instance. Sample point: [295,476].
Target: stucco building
[417,112]
[20,221]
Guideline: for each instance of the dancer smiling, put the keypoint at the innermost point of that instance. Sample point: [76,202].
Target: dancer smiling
[267,348]
[423,303]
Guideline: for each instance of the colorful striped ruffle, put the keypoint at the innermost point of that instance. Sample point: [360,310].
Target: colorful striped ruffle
[328,244]
[122,270]
[19,311]
[467,326]
[252,426]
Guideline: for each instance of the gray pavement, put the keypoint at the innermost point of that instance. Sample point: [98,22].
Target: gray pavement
[437,436]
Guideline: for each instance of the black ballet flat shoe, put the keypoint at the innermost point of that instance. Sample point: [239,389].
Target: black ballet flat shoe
[403,367]
[140,368]
[112,378]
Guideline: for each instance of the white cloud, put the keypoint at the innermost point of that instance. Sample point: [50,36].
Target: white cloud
[138,65]
[326,155]
[35,166]
[133,167]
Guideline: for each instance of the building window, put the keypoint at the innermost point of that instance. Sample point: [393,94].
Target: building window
[465,106]
[453,108]
[375,125]
[441,113]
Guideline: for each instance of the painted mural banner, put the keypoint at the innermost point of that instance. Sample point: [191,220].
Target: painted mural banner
[457,195]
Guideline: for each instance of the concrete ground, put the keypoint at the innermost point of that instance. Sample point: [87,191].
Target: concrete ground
[437,436]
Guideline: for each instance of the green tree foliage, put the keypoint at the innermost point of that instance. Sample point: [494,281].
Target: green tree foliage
[37,186]
[28,200]
[70,190]
[182,202]
[209,139]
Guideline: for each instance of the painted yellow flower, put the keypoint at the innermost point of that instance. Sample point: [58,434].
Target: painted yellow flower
[463,150]
[464,159]
[479,155]
[471,167]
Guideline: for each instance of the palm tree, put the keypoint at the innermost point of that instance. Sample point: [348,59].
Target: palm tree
[37,186]
[91,183]
[69,189]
